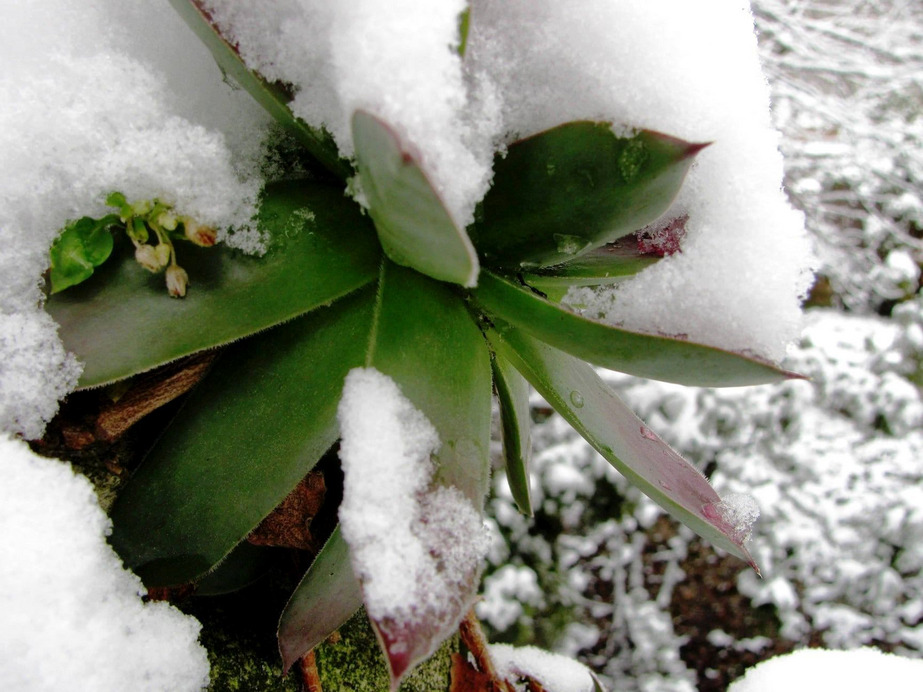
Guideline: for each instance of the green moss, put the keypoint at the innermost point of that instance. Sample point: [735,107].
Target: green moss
[354,661]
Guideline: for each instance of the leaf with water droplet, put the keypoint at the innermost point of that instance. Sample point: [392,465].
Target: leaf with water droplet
[578,180]
[616,433]
[655,356]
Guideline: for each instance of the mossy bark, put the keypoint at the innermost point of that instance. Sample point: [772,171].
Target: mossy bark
[353,661]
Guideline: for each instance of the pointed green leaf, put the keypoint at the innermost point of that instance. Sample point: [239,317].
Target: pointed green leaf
[574,188]
[605,265]
[124,322]
[427,342]
[327,596]
[576,392]
[609,264]
[671,359]
[272,97]
[245,437]
[414,226]
[516,423]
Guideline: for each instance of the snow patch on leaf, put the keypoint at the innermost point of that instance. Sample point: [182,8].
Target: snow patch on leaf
[415,547]
[740,511]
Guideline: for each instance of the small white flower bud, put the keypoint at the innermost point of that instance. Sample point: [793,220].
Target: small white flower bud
[177,280]
[152,258]
[167,220]
[203,236]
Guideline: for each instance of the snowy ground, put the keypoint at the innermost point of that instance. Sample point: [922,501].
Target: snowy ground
[835,463]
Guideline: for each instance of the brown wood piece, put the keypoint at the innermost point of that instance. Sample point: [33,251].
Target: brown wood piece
[473,638]
[150,393]
[289,524]
[310,678]
[466,678]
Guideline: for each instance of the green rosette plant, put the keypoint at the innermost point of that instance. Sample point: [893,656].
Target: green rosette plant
[452,315]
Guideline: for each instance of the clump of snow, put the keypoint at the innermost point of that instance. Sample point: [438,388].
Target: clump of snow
[417,549]
[691,71]
[809,670]
[72,616]
[846,93]
[740,511]
[508,593]
[115,96]
[554,672]
[35,372]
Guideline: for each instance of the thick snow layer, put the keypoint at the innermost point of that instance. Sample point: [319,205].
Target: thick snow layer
[809,670]
[96,96]
[72,616]
[416,548]
[690,70]
[142,108]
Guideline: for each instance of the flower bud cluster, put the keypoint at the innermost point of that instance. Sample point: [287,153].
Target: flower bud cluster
[146,218]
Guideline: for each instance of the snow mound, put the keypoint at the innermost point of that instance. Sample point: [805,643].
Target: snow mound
[72,616]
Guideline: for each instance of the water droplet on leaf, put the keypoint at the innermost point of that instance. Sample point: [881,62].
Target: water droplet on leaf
[570,244]
[632,159]
[576,398]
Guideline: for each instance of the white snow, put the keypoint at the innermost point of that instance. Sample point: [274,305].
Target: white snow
[808,670]
[417,549]
[505,593]
[554,672]
[740,511]
[72,616]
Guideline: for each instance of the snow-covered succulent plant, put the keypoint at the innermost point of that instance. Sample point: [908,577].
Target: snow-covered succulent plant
[379,320]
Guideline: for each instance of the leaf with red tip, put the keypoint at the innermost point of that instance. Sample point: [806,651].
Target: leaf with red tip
[326,597]
[270,96]
[576,392]
[658,357]
[573,188]
[606,265]
[413,225]
[444,372]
